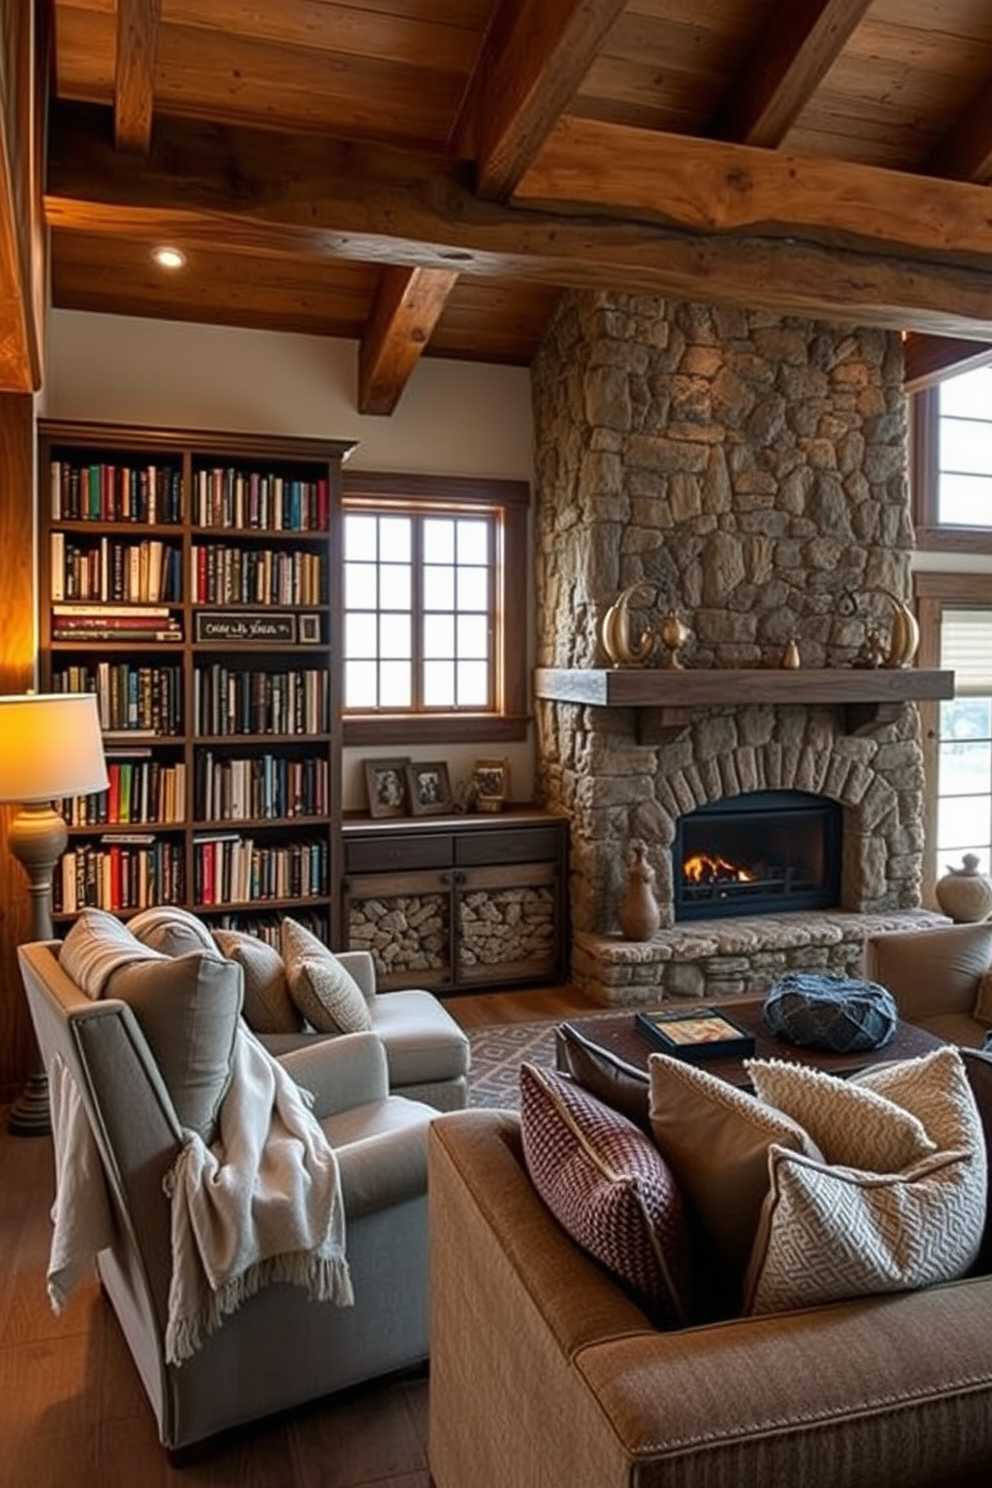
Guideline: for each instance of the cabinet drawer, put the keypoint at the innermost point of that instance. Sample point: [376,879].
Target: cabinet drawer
[387,854]
[514,845]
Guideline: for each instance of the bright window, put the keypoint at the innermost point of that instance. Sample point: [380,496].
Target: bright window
[964,744]
[434,609]
[964,460]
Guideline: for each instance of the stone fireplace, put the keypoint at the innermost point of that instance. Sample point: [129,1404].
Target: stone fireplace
[749,473]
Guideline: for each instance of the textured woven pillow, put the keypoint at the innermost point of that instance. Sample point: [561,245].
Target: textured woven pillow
[605,1075]
[171,930]
[323,990]
[716,1140]
[609,1188]
[822,1010]
[833,1231]
[268,1006]
[187,1007]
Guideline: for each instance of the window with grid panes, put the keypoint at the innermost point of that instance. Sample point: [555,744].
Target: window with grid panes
[964,743]
[434,606]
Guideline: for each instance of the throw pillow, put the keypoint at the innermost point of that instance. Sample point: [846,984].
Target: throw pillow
[187,1007]
[716,1140]
[171,930]
[848,1121]
[978,1068]
[323,990]
[605,1075]
[983,1002]
[833,1231]
[609,1188]
[268,1006]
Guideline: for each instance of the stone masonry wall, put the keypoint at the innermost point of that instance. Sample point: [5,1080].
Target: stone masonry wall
[750,470]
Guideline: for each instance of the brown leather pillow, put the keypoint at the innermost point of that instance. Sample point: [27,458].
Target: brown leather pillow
[606,1076]
[978,1068]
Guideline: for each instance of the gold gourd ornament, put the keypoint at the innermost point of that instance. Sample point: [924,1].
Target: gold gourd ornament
[904,634]
[615,631]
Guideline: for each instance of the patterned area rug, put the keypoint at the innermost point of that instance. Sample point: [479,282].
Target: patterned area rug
[497,1054]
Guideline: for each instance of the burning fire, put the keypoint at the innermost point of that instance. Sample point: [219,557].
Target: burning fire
[701,868]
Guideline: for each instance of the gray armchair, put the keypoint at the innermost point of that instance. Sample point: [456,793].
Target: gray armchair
[279,1348]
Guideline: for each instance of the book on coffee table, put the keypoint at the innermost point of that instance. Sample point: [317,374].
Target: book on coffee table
[695,1034]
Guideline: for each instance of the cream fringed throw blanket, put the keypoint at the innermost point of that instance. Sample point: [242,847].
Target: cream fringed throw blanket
[261,1204]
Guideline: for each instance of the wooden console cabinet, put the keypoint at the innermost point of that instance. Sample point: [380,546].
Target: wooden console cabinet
[458,903]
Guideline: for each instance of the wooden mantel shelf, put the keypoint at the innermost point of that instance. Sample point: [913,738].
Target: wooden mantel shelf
[668,699]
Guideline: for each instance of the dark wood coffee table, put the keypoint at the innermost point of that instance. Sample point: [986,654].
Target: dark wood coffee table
[617,1033]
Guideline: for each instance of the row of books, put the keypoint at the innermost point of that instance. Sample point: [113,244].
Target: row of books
[130,698]
[251,500]
[142,791]
[120,873]
[115,571]
[232,701]
[230,869]
[224,575]
[110,622]
[267,786]
[104,492]
[268,927]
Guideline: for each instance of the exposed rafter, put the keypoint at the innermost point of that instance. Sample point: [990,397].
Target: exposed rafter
[23,83]
[534,59]
[796,50]
[402,322]
[134,75]
[735,239]
[965,152]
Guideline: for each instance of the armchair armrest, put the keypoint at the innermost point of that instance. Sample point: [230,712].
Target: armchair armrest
[341,1072]
[362,968]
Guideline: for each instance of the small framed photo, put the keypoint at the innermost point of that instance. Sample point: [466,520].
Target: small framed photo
[491,784]
[309,630]
[385,780]
[429,788]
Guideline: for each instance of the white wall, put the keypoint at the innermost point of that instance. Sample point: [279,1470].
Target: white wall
[454,418]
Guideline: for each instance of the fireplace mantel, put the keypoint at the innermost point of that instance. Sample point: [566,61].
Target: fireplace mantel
[667,698]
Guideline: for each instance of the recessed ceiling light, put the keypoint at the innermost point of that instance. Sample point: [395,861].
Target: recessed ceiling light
[169,258]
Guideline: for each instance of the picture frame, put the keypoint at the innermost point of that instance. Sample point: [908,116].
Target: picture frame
[386,783]
[429,788]
[491,784]
[309,630]
[696,1034]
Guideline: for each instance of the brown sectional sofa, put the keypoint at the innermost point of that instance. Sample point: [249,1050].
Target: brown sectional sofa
[544,1374]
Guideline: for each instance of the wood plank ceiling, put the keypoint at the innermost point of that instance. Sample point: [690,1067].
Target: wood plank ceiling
[425,176]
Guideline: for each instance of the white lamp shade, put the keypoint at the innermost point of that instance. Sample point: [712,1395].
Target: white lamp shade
[50,746]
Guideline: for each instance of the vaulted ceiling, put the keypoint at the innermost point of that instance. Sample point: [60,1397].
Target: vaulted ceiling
[425,176]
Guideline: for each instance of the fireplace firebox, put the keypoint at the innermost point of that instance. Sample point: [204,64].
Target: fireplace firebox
[764,852]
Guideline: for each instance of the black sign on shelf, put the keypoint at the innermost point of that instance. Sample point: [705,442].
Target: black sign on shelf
[245,625]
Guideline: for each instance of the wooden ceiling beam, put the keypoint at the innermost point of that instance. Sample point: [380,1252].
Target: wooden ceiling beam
[24,44]
[929,359]
[407,307]
[533,61]
[748,237]
[134,74]
[965,152]
[797,48]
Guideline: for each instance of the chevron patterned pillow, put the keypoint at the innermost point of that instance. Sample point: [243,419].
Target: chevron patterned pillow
[831,1230]
[607,1184]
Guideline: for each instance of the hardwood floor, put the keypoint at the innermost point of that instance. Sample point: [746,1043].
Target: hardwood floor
[74,1415]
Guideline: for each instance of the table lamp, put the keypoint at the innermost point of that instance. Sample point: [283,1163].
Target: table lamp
[50,749]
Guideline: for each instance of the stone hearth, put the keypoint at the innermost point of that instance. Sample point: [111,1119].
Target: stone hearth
[750,472]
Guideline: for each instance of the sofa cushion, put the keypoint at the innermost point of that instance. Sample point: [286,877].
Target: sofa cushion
[834,1230]
[171,930]
[268,1007]
[716,1140]
[609,1188]
[932,971]
[187,1007]
[423,1041]
[325,993]
[605,1075]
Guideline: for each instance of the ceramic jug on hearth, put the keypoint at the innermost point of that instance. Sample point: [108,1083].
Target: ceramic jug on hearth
[638,911]
[964,893]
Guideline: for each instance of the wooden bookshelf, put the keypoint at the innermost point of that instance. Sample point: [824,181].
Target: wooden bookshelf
[187,579]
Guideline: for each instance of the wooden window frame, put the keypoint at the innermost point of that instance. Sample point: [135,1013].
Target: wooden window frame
[931,535]
[510,719]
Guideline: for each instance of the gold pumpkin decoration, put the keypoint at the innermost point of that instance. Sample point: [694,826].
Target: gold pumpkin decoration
[615,632]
